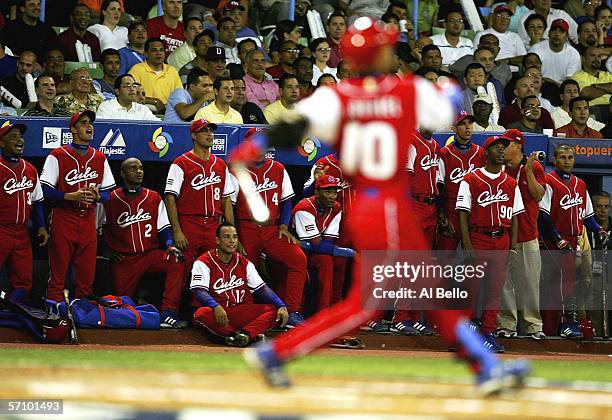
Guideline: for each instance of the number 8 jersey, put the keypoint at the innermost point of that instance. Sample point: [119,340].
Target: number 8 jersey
[198,185]
[371,120]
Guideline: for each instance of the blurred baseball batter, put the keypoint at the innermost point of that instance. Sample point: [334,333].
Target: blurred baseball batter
[369,119]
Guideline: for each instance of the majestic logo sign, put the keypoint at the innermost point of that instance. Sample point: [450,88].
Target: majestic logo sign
[113,143]
[457,175]
[221,286]
[200,181]
[567,201]
[485,198]
[11,185]
[126,219]
[74,176]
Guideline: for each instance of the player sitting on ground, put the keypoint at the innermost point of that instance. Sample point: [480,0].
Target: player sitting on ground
[223,283]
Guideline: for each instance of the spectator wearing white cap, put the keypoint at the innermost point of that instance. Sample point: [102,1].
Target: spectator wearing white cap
[510,44]
[559,59]
[543,8]
[482,108]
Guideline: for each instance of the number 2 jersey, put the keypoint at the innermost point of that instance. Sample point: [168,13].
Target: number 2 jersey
[370,121]
[132,224]
[228,284]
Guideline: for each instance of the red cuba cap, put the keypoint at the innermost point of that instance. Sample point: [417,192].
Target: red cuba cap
[77,116]
[515,135]
[494,139]
[503,8]
[462,116]
[199,125]
[559,24]
[326,181]
[8,127]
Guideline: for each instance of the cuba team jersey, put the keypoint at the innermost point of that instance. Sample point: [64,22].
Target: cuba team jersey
[309,224]
[370,120]
[198,185]
[567,202]
[20,188]
[132,224]
[345,195]
[454,165]
[68,171]
[528,220]
[271,181]
[491,199]
[229,284]
[423,158]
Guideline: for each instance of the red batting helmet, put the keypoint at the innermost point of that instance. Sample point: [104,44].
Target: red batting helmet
[588,331]
[54,331]
[363,40]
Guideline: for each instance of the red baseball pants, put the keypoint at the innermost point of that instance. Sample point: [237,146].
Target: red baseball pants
[253,319]
[330,278]
[73,240]
[493,283]
[16,254]
[128,272]
[257,239]
[200,232]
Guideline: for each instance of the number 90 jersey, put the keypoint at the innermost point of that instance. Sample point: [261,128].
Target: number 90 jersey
[370,121]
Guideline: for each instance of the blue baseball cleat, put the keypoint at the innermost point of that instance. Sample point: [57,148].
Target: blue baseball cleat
[502,376]
[263,358]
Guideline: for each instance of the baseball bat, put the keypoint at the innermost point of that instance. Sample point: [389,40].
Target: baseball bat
[74,338]
[258,207]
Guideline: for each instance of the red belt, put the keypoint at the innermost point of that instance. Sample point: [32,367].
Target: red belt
[493,233]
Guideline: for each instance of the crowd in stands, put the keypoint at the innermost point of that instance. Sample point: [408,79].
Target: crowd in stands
[534,68]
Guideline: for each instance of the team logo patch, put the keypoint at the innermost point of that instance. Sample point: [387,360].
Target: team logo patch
[113,143]
[309,148]
[160,142]
[309,228]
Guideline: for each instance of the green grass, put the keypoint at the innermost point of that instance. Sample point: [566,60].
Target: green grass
[373,367]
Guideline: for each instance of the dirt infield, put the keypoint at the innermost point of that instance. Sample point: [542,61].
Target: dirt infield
[173,390]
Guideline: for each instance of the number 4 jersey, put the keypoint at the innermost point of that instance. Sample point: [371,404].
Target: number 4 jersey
[371,120]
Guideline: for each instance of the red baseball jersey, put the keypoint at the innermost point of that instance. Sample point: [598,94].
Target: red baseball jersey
[172,37]
[567,202]
[229,284]
[309,223]
[491,199]
[20,188]
[132,224]
[423,158]
[199,185]
[271,181]
[369,120]
[454,165]
[527,220]
[345,195]
[67,171]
